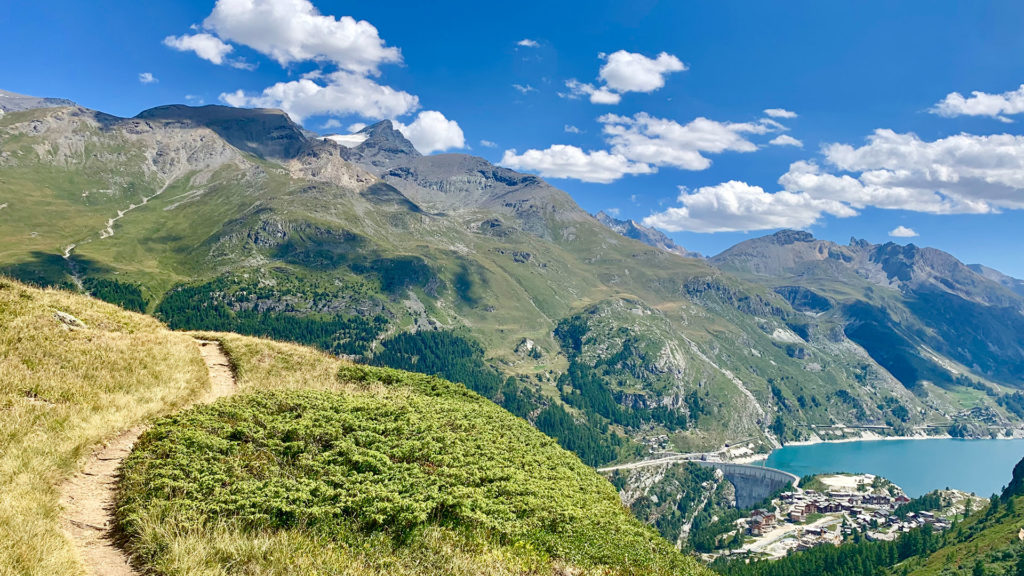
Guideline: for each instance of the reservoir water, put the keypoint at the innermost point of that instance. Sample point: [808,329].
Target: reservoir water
[918,466]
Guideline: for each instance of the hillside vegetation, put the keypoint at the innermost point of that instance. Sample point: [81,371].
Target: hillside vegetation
[66,384]
[317,466]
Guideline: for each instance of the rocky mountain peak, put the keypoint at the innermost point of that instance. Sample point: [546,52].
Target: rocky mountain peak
[784,237]
[383,138]
[650,236]
[264,132]
[860,244]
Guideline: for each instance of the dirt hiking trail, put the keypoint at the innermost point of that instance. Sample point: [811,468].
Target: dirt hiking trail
[88,498]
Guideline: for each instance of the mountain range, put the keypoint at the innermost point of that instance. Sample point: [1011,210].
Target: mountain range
[602,333]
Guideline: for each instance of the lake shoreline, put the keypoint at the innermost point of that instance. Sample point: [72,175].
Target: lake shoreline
[978,465]
[866,436]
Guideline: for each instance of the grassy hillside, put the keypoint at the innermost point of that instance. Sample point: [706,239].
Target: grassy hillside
[318,466]
[63,389]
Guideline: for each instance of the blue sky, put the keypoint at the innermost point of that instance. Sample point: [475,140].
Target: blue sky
[867,88]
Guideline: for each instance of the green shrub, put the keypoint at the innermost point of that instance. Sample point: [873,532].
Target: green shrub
[382,469]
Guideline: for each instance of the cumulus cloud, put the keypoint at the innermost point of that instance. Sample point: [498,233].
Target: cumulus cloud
[294,31]
[339,93]
[631,72]
[661,142]
[331,124]
[960,174]
[808,177]
[528,43]
[780,113]
[432,132]
[206,46]
[524,88]
[972,173]
[625,72]
[147,78]
[736,206]
[639,144]
[488,144]
[903,232]
[349,52]
[786,140]
[981,104]
[562,161]
[600,95]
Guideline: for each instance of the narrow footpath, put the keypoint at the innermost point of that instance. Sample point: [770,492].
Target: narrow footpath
[88,498]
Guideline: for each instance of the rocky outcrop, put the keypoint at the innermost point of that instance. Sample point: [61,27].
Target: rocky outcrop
[650,236]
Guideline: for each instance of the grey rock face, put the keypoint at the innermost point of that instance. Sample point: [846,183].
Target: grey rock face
[264,132]
[13,102]
[650,236]
[1010,282]
[451,183]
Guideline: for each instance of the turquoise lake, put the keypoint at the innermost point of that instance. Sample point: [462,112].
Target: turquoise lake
[918,466]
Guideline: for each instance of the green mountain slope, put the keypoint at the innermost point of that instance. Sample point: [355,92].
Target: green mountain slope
[316,466]
[946,331]
[225,219]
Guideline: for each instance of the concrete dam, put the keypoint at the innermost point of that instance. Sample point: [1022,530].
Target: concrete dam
[753,483]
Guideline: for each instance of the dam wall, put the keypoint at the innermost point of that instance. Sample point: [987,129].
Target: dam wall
[753,483]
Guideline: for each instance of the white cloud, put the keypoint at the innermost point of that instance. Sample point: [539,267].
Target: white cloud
[331,124]
[339,93]
[903,232]
[488,144]
[737,206]
[294,31]
[356,127]
[524,88]
[807,177]
[631,72]
[206,46]
[432,132]
[661,142]
[527,43]
[194,99]
[147,78]
[347,140]
[786,140]
[981,104]
[561,161]
[349,53]
[971,173]
[780,113]
[961,174]
[579,89]
[638,145]
[612,212]
[604,96]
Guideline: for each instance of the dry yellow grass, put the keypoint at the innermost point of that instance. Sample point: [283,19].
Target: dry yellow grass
[63,390]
